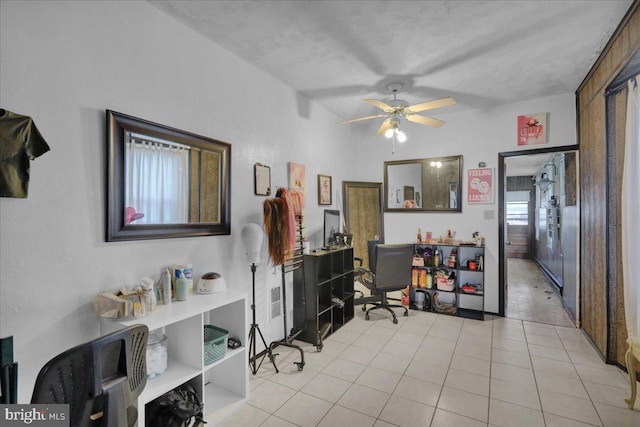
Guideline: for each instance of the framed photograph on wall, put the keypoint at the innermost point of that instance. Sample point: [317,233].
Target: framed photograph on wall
[324,190]
[262,179]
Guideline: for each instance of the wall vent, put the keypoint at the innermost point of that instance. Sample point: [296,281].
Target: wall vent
[276,306]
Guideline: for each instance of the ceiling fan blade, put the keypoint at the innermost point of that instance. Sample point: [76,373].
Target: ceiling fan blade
[430,105]
[384,126]
[429,121]
[361,118]
[381,105]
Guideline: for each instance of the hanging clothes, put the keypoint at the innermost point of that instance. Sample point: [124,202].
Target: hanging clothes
[20,142]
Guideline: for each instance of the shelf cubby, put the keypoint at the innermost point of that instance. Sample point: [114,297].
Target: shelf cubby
[466,304]
[325,274]
[223,386]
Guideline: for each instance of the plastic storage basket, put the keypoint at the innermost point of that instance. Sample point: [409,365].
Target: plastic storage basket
[215,343]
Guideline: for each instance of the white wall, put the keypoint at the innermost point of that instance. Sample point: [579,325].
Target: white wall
[479,136]
[64,63]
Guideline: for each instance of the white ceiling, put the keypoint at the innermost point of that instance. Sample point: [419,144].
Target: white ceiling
[527,165]
[482,53]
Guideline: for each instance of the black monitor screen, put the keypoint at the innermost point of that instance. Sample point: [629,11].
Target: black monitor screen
[331,226]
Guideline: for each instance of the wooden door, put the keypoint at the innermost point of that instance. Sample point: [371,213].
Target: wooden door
[363,214]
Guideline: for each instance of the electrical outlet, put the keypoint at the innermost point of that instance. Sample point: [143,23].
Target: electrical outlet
[488,214]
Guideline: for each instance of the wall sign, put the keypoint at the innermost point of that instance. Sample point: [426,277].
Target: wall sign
[532,129]
[480,186]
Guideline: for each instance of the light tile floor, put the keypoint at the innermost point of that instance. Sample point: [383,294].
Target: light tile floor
[437,370]
[531,296]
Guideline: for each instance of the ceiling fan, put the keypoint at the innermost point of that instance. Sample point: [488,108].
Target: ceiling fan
[396,110]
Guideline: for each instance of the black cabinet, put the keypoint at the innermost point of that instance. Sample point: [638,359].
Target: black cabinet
[323,294]
[451,280]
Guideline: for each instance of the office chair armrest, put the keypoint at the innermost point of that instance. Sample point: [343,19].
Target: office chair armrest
[365,276]
[359,260]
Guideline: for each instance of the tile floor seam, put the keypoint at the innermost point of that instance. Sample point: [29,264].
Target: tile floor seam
[490,367]
[535,379]
[565,416]
[584,385]
[443,384]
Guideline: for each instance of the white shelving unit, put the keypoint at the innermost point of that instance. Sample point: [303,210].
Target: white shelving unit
[224,384]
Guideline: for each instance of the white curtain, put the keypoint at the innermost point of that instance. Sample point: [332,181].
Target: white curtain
[631,212]
[157,182]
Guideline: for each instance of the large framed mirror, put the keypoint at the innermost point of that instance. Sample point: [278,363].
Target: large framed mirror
[164,182]
[423,185]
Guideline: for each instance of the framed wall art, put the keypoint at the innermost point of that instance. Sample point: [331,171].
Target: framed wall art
[297,179]
[480,186]
[262,179]
[324,190]
[532,129]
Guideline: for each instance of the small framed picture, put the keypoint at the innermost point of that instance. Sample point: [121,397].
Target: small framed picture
[324,190]
[262,179]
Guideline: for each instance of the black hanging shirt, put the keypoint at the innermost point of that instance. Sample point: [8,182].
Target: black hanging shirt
[20,142]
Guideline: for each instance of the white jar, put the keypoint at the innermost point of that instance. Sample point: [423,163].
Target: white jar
[156,355]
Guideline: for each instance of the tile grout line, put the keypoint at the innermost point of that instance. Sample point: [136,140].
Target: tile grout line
[583,385]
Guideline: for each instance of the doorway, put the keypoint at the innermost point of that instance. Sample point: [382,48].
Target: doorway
[538,236]
[363,215]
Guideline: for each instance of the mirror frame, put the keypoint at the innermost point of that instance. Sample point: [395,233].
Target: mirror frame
[422,161]
[117,125]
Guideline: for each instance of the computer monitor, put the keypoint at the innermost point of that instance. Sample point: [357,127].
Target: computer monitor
[331,226]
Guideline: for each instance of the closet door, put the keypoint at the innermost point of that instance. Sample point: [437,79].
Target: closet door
[363,214]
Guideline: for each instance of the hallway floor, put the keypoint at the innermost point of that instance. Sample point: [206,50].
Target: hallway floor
[436,370]
[531,297]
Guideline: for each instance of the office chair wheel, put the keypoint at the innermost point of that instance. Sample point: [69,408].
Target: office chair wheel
[366,316]
[406,314]
[364,308]
[395,321]
[300,365]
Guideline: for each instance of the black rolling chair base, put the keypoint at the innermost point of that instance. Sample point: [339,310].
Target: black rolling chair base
[388,308]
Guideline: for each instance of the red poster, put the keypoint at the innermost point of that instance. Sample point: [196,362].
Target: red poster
[532,129]
[480,186]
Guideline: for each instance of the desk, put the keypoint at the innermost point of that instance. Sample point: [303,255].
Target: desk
[632,357]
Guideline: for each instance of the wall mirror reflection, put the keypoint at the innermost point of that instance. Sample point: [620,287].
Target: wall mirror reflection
[164,182]
[423,185]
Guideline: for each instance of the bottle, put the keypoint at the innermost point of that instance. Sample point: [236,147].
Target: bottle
[423,279]
[166,286]
[414,277]
[182,288]
[436,258]
[429,280]
[419,235]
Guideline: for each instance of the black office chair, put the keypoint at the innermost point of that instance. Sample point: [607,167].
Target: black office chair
[100,380]
[364,275]
[391,271]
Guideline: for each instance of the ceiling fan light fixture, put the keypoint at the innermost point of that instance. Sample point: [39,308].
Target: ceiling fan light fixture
[402,137]
[389,133]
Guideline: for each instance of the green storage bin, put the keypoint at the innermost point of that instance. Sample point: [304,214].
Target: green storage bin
[215,343]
